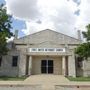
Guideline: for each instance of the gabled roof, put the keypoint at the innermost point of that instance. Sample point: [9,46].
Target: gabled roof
[47,35]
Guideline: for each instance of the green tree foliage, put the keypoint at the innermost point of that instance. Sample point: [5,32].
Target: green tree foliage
[83,50]
[87,34]
[5,26]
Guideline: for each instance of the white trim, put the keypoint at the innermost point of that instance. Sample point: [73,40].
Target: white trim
[46,50]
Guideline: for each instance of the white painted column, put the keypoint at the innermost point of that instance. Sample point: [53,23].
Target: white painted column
[63,65]
[30,66]
[71,66]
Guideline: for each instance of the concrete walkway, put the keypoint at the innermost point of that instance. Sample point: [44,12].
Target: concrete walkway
[47,81]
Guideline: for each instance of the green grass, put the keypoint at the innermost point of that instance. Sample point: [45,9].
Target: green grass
[5,78]
[82,79]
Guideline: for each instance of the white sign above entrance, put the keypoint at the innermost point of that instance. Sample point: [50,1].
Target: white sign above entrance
[46,49]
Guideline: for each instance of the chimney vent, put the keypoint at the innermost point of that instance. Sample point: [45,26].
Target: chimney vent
[79,34]
[16,34]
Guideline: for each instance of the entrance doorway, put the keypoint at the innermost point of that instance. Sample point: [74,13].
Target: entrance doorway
[47,66]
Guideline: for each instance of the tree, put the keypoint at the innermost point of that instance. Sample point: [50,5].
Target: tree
[5,26]
[87,34]
[83,50]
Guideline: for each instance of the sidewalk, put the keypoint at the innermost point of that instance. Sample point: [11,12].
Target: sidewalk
[47,82]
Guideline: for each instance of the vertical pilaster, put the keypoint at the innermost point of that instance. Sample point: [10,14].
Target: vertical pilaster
[22,65]
[63,65]
[30,65]
[71,66]
[85,65]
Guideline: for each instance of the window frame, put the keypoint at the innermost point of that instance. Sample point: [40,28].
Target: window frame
[0,61]
[14,61]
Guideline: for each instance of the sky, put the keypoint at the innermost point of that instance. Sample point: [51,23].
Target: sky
[64,16]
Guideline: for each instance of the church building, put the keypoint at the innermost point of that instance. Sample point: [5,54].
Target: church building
[43,52]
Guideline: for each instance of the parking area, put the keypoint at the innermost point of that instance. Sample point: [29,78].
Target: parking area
[20,87]
[72,87]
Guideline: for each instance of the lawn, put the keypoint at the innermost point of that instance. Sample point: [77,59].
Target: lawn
[82,79]
[4,78]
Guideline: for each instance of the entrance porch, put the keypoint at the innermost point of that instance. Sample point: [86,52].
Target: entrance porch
[57,65]
[47,64]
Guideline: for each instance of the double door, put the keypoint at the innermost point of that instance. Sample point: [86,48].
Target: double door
[47,66]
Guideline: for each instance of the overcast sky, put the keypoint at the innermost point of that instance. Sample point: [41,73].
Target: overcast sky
[65,16]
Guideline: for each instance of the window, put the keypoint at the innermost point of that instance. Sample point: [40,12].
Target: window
[0,61]
[14,61]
